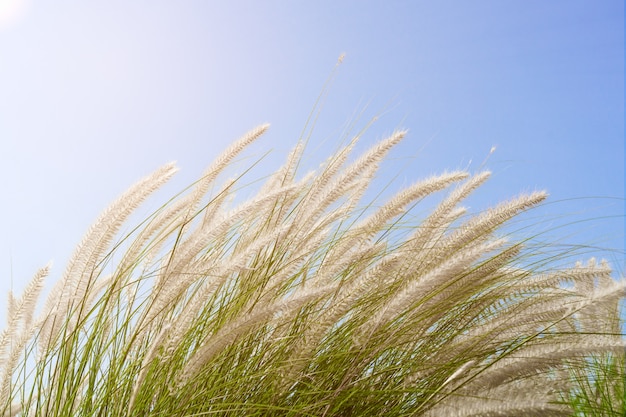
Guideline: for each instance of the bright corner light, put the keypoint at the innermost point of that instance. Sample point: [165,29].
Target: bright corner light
[11,12]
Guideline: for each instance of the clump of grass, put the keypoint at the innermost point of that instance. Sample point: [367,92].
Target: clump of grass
[301,302]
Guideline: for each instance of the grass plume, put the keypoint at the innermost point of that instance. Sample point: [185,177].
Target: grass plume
[301,302]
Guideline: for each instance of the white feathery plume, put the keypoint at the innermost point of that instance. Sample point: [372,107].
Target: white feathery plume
[219,165]
[192,200]
[328,170]
[538,357]
[480,275]
[457,291]
[10,361]
[523,316]
[274,213]
[168,222]
[22,311]
[299,260]
[335,188]
[567,344]
[400,201]
[371,158]
[19,331]
[485,223]
[542,311]
[170,289]
[476,228]
[598,317]
[345,295]
[459,372]
[161,225]
[197,301]
[439,220]
[201,237]
[72,288]
[312,184]
[547,305]
[287,172]
[347,291]
[369,227]
[520,401]
[145,364]
[213,209]
[581,276]
[11,303]
[293,268]
[429,282]
[232,331]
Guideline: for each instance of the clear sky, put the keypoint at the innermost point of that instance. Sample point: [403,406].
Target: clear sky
[94,95]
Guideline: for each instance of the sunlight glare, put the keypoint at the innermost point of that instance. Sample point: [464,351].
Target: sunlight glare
[11,12]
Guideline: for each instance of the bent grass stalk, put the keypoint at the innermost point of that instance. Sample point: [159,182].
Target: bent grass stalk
[289,304]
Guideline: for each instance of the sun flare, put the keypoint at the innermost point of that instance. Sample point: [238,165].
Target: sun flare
[12,11]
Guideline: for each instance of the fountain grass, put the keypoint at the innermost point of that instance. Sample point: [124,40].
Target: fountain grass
[305,300]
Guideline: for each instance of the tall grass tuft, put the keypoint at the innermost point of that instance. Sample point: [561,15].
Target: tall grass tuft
[306,301]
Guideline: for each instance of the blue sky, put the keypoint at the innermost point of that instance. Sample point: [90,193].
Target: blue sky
[94,95]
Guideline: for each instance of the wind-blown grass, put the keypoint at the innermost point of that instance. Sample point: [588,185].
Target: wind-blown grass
[303,301]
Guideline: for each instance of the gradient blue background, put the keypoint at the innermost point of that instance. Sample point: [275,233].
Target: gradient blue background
[94,95]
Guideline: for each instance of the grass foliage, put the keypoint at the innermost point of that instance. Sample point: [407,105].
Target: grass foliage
[306,301]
